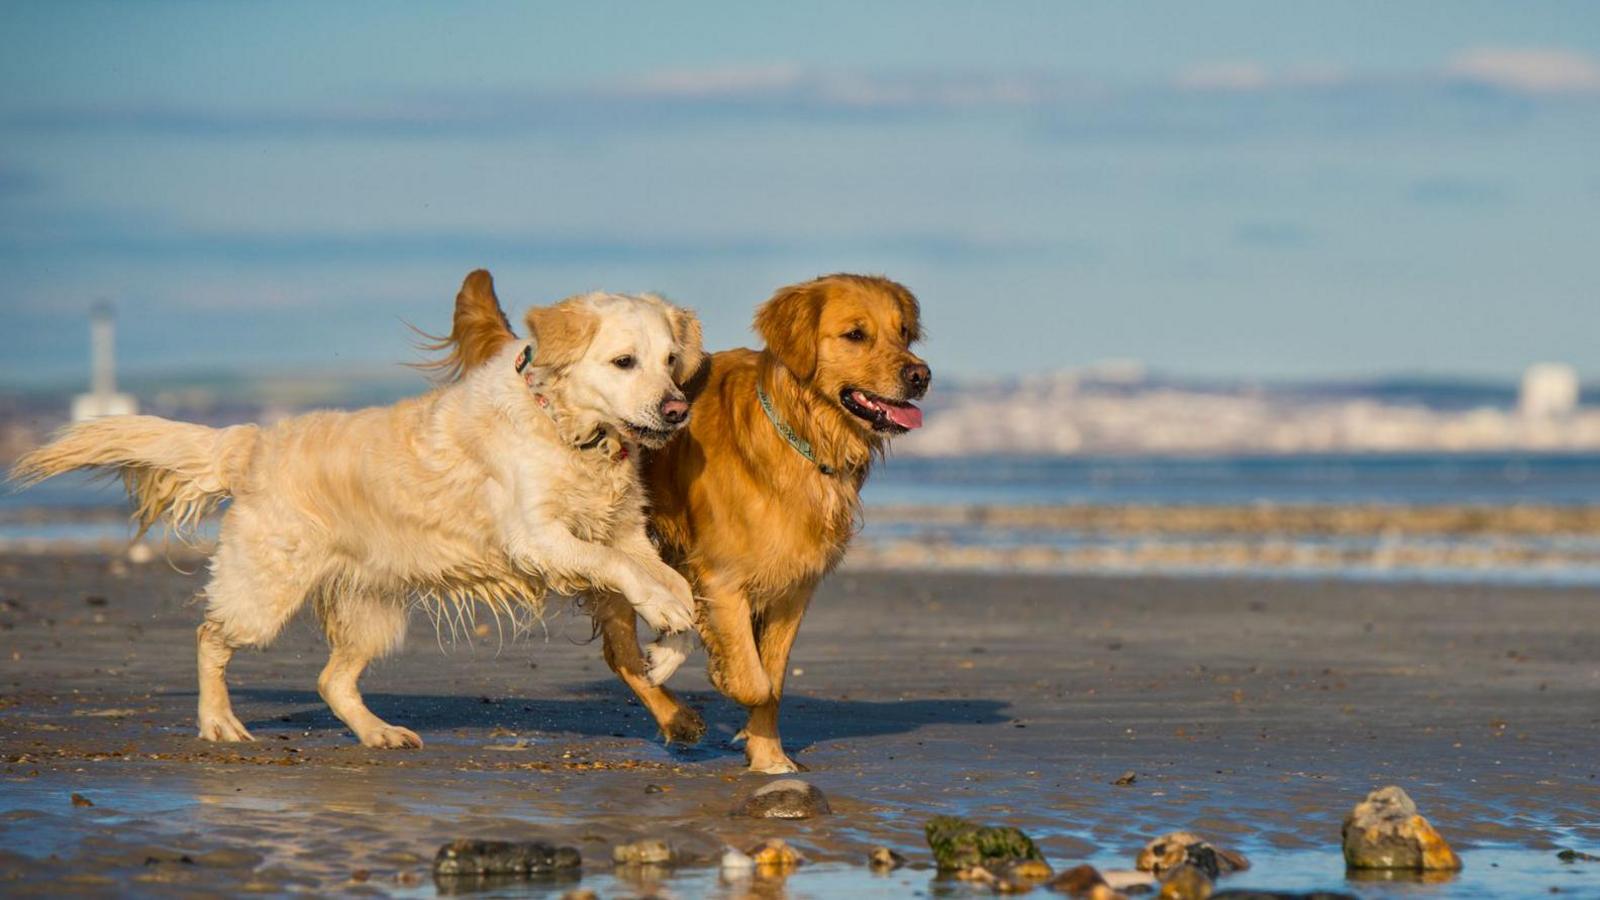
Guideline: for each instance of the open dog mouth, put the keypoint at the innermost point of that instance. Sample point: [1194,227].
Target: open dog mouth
[892,416]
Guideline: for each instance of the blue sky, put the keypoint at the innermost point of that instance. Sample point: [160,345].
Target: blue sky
[1258,189]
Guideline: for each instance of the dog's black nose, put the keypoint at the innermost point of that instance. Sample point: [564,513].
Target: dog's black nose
[916,376]
[674,410]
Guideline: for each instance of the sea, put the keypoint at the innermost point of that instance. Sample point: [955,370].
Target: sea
[84,510]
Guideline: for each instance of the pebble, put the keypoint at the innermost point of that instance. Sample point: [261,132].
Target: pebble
[1186,881]
[735,861]
[883,859]
[469,857]
[774,854]
[1128,880]
[81,800]
[1572,856]
[1126,778]
[1179,847]
[1282,895]
[1385,831]
[647,852]
[1077,881]
[786,798]
[580,894]
[959,844]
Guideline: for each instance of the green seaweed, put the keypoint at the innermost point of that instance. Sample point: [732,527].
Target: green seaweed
[959,844]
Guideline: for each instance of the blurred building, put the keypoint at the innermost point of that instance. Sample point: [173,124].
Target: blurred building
[1549,390]
[102,399]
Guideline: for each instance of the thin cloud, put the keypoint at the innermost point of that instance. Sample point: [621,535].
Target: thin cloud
[1242,91]
[247,248]
[1224,76]
[1527,70]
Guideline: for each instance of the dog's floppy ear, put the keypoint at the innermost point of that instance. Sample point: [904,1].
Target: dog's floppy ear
[561,332]
[691,342]
[910,310]
[788,324]
[477,331]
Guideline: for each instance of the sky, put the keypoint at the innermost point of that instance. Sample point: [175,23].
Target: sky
[1278,190]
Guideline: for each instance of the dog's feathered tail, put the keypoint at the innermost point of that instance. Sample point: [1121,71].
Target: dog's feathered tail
[172,470]
[478,330]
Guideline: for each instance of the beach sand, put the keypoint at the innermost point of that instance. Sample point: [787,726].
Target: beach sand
[1255,711]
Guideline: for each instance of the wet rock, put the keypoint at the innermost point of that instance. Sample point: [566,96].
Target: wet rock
[1185,847]
[774,854]
[1014,877]
[1126,778]
[1005,881]
[959,844]
[786,798]
[81,800]
[580,894]
[1385,831]
[1128,881]
[736,861]
[1566,856]
[882,859]
[1185,881]
[654,789]
[467,857]
[1281,895]
[1077,881]
[650,852]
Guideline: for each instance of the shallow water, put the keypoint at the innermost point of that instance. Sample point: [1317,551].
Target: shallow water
[148,822]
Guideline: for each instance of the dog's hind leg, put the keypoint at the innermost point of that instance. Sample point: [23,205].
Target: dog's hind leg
[250,596]
[614,618]
[361,629]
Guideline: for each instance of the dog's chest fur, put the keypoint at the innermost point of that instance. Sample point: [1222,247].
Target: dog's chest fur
[599,493]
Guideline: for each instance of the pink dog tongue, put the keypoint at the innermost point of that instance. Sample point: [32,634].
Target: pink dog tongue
[907,416]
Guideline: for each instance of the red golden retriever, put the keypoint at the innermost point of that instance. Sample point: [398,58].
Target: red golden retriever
[757,497]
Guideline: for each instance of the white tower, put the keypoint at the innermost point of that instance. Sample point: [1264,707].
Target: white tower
[102,399]
[1549,390]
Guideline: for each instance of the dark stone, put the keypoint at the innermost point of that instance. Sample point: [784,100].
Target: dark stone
[786,798]
[467,857]
[1185,882]
[1078,880]
[1282,895]
[81,800]
[959,844]
[1126,778]
[1566,856]
[883,859]
[1185,847]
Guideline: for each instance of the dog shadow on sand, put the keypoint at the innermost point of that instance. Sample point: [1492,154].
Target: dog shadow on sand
[604,708]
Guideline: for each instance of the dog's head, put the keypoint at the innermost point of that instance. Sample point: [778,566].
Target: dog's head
[849,337]
[619,360]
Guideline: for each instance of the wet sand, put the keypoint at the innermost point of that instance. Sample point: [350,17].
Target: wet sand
[1255,711]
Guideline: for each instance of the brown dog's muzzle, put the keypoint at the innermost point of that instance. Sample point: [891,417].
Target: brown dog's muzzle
[916,377]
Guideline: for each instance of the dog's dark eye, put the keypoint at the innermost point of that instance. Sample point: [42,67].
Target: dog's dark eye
[905,333]
[855,335]
[623,362]
[672,359]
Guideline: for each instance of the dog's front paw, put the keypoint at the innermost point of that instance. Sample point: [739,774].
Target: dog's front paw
[666,604]
[666,654]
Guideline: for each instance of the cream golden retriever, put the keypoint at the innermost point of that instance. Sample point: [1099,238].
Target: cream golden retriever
[756,501]
[520,477]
